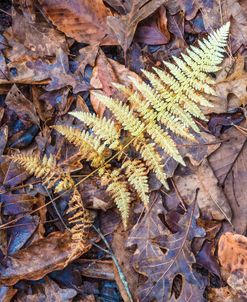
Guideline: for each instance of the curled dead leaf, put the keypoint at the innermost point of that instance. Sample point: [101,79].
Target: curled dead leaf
[42,257]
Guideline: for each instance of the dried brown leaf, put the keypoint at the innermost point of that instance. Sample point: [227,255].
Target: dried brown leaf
[32,39]
[25,109]
[124,26]
[211,198]
[83,20]
[229,166]
[42,257]
[105,72]
[161,255]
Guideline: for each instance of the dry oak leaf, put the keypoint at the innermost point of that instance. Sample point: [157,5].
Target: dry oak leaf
[42,257]
[211,199]
[82,20]
[232,253]
[105,72]
[234,83]
[124,26]
[161,255]
[223,294]
[229,166]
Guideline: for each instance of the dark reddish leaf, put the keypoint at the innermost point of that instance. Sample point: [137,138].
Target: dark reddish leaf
[206,259]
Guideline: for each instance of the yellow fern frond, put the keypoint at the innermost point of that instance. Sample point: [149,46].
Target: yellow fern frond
[102,127]
[153,160]
[90,146]
[79,218]
[162,139]
[136,173]
[41,168]
[123,114]
[66,183]
[117,187]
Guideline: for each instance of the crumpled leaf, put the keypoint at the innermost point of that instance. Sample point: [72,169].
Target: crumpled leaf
[25,109]
[4,73]
[59,73]
[211,198]
[40,258]
[161,255]
[53,72]
[223,294]
[29,39]
[229,166]
[124,26]
[83,20]
[232,253]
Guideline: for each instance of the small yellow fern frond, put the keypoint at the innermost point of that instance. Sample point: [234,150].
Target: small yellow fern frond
[41,168]
[152,159]
[136,173]
[79,218]
[90,146]
[124,115]
[66,183]
[102,127]
[117,187]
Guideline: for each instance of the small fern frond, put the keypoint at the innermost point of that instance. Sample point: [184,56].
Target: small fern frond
[136,173]
[81,138]
[124,115]
[117,187]
[79,218]
[41,168]
[66,183]
[102,127]
[152,159]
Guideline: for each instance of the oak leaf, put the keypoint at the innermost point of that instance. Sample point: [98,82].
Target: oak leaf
[161,255]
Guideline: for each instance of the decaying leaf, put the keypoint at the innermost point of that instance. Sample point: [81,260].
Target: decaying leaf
[229,166]
[42,257]
[124,26]
[32,39]
[232,253]
[235,83]
[161,255]
[24,108]
[105,72]
[47,290]
[211,198]
[83,20]
[216,13]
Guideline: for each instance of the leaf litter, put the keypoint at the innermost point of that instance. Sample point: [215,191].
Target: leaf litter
[53,55]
